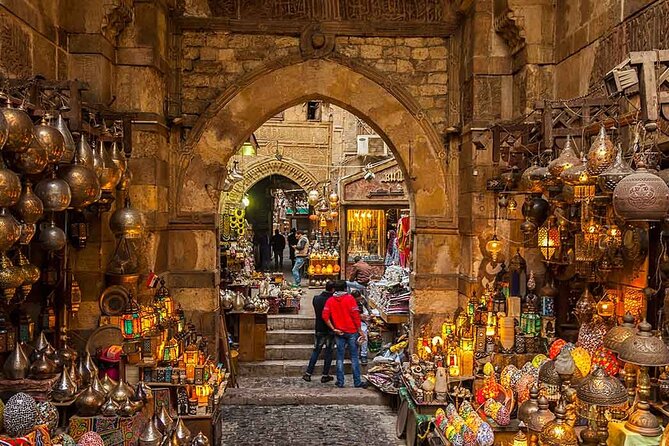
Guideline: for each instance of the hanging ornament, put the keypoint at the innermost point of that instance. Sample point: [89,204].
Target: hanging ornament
[51,140]
[20,129]
[10,186]
[601,154]
[85,155]
[70,146]
[127,221]
[566,160]
[549,238]
[54,193]
[494,247]
[333,198]
[578,178]
[31,161]
[641,196]
[609,179]
[29,208]
[313,197]
[529,182]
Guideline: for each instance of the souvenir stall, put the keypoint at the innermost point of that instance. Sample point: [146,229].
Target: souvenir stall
[65,167]
[561,340]
[375,218]
[324,238]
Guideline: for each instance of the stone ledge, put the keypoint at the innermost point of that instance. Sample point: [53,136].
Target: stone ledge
[90,44]
[141,57]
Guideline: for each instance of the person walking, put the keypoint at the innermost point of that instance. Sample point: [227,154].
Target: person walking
[361,274]
[323,336]
[342,316]
[301,253]
[292,241]
[278,243]
[364,323]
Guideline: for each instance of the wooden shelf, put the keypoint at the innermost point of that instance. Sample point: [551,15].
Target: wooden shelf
[390,318]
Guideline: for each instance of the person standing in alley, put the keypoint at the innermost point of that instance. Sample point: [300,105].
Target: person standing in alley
[292,241]
[364,323]
[342,316]
[301,253]
[361,274]
[278,243]
[323,336]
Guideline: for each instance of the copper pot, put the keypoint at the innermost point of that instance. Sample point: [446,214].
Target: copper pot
[31,161]
[54,193]
[10,231]
[29,208]
[20,129]
[10,186]
[51,139]
[84,184]
[51,237]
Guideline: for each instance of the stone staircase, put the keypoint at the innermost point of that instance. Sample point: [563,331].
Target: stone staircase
[290,340]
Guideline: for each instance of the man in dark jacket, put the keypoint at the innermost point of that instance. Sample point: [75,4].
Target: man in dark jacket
[324,336]
[292,241]
[278,243]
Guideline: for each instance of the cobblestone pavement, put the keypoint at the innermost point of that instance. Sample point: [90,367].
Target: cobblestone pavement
[335,425]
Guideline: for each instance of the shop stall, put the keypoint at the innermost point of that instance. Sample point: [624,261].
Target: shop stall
[374,218]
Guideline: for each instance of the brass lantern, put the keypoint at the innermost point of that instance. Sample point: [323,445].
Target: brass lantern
[641,196]
[549,238]
[563,162]
[582,182]
[601,154]
[494,247]
[609,179]
[615,337]
[558,432]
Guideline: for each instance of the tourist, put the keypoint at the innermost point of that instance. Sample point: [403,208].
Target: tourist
[364,319]
[278,243]
[324,336]
[361,274]
[341,314]
[301,253]
[292,241]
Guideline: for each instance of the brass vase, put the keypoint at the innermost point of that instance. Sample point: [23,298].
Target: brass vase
[51,139]
[29,206]
[54,193]
[20,129]
[16,365]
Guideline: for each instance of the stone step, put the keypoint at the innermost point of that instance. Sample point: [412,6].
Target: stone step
[286,367]
[283,337]
[284,391]
[290,322]
[296,351]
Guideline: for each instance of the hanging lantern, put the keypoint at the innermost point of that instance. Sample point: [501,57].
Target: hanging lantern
[606,308]
[582,182]
[529,182]
[191,355]
[163,302]
[549,238]
[171,351]
[601,154]
[609,179]
[333,198]
[566,160]
[494,247]
[313,197]
[641,196]
[147,319]
[130,320]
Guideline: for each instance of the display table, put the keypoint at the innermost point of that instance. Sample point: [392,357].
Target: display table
[113,430]
[620,436]
[250,329]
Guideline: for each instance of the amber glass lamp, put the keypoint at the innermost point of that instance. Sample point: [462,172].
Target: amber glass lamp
[606,308]
[558,432]
[494,247]
[548,239]
[147,319]
[644,350]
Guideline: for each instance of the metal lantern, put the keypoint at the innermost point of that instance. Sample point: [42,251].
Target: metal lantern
[147,320]
[54,193]
[615,337]
[644,350]
[20,129]
[531,182]
[563,162]
[29,207]
[313,197]
[609,179]
[602,392]
[601,154]
[494,247]
[10,230]
[641,196]
[540,418]
[549,238]
[130,320]
[10,186]
[31,161]
[558,432]
[127,222]
[51,139]
[70,146]
[585,307]
[549,381]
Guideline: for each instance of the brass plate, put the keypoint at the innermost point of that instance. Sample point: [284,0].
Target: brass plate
[113,300]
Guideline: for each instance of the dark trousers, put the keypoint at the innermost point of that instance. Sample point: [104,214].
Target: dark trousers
[322,339]
[278,261]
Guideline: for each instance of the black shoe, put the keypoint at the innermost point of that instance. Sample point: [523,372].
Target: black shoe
[306,377]
[341,386]
[363,386]
[327,379]
[363,360]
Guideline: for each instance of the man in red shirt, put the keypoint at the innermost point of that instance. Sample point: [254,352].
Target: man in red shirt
[342,315]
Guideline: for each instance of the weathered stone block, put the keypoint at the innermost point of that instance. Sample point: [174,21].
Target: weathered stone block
[437,78]
[438,52]
[371,51]
[420,53]
[208,53]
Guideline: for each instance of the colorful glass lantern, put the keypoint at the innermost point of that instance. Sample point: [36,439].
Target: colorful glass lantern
[130,320]
[148,319]
[171,351]
[467,343]
[181,318]
[499,303]
[549,239]
[491,324]
[191,356]
[606,308]
[163,302]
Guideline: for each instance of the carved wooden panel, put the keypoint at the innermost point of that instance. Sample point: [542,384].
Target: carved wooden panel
[646,31]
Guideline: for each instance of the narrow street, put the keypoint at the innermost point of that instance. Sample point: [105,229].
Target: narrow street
[289,411]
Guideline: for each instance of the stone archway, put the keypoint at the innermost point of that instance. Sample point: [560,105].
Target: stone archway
[430,171]
[257,171]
